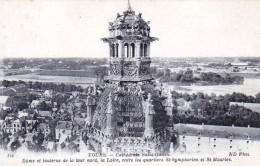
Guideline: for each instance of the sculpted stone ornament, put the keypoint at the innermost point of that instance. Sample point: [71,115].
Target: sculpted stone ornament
[144,70]
[130,69]
[115,69]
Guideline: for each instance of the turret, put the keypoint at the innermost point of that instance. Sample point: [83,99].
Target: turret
[149,113]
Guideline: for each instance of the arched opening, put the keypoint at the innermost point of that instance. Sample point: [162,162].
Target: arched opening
[141,50]
[126,49]
[145,50]
[132,50]
[116,51]
[113,50]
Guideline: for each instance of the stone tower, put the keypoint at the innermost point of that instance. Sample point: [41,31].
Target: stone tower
[129,48]
[130,115]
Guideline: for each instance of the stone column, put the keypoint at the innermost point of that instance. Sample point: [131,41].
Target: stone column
[137,50]
[120,49]
[148,49]
[110,50]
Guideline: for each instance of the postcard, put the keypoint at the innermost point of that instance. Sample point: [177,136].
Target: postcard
[129,82]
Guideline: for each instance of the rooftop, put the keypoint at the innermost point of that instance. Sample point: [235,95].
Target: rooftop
[3,100]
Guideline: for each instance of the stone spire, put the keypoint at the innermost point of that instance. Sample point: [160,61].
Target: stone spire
[109,105]
[169,111]
[110,114]
[95,89]
[89,111]
[129,8]
[149,112]
[169,104]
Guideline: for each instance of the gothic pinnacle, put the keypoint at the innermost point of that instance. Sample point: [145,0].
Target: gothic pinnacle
[129,6]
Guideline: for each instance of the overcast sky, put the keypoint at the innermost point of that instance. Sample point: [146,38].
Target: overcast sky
[70,28]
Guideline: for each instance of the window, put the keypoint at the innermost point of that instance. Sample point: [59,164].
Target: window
[116,53]
[141,50]
[120,123]
[145,50]
[14,125]
[126,50]
[132,50]
[113,50]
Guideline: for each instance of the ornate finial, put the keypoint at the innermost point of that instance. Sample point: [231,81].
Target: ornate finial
[169,94]
[149,105]
[169,99]
[149,99]
[129,6]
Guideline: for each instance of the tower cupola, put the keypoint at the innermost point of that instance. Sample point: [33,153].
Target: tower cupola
[129,47]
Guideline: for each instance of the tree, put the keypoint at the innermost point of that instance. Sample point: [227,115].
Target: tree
[6,83]
[167,72]
[100,72]
[22,105]
[257,97]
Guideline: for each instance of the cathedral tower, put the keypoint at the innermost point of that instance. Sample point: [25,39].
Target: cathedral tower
[130,115]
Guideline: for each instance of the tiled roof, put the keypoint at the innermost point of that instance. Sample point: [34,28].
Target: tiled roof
[3,100]
[65,125]
[128,109]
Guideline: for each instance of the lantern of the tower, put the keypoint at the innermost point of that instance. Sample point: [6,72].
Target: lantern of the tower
[129,45]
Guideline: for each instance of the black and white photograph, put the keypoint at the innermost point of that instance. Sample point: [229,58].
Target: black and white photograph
[129,82]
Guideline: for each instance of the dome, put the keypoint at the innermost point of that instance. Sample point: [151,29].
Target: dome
[129,22]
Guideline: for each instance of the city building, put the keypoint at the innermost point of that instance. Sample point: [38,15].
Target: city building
[211,139]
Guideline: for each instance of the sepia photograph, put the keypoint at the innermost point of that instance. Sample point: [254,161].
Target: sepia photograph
[129,82]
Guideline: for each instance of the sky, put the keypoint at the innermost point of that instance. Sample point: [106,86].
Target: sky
[185,28]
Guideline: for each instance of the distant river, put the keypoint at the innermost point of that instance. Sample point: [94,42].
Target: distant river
[251,86]
[80,81]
